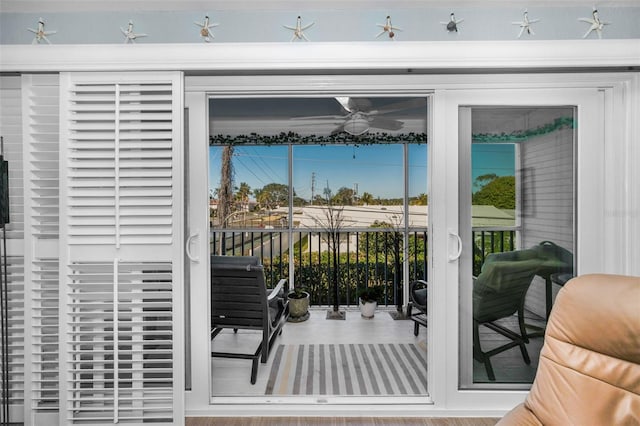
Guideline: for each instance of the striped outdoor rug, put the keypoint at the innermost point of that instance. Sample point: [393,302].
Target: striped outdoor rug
[348,369]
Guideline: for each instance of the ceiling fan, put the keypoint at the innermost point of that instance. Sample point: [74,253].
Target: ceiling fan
[361,115]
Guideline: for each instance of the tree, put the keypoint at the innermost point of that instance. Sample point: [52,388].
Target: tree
[242,194]
[299,201]
[344,197]
[366,198]
[319,200]
[420,200]
[499,192]
[225,193]
[482,180]
[272,195]
[332,221]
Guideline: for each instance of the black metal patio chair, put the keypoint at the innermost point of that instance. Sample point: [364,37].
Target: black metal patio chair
[240,301]
[418,296]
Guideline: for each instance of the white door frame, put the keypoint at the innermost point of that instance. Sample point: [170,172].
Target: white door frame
[449,92]
[589,184]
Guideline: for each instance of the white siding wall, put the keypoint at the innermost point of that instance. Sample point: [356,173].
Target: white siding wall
[547,199]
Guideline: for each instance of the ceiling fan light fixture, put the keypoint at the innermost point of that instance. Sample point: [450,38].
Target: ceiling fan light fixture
[356,126]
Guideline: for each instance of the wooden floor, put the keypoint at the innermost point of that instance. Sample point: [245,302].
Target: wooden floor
[338,421]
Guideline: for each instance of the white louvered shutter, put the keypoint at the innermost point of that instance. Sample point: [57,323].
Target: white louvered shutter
[121,251]
[40,124]
[11,132]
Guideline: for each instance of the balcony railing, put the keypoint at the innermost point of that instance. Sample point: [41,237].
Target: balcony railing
[364,258]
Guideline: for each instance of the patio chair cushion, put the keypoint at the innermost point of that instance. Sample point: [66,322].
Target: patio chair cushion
[552,257]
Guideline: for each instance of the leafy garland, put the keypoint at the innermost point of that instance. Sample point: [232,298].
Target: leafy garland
[522,135]
[286,138]
[296,139]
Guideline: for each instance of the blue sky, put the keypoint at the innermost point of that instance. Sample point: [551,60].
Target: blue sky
[376,169]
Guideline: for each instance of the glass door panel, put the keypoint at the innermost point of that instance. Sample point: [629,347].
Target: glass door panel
[285,176]
[517,204]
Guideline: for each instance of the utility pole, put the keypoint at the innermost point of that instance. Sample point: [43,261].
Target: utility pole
[313,186]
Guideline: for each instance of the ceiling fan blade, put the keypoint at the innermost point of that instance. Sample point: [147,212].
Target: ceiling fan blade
[385,123]
[338,129]
[344,103]
[402,105]
[320,117]
[360,104]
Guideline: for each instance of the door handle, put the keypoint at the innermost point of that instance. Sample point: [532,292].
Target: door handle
[454,257]
[191,257]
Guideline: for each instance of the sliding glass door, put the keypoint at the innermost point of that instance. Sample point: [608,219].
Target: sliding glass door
[522,161]
[509,171]
[329,193]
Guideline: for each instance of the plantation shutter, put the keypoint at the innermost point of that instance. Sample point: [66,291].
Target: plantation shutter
[40,148]
[11,132]
[121,251]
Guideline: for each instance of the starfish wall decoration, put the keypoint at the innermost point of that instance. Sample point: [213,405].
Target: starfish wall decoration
[525,24]
[388,28]
[298,30]
[40,33]
[205,29]
[452,23]
[129,35]
[596,24]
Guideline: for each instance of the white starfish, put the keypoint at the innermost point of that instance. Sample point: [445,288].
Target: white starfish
[129,35]
[40,33]
[596,24]
[452,23]
[388,28]
[525,24]
[298,30]
[205,29]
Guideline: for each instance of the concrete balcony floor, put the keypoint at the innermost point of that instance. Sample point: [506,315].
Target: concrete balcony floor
[231,377]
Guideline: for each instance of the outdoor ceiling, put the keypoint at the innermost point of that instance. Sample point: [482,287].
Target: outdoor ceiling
[305,116]
[272,116]
[513,119]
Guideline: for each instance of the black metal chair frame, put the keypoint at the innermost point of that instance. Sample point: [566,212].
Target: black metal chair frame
[240,300]
[419,317]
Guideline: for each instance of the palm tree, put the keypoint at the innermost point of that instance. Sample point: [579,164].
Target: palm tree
[242,195]
[366,198]
[225,193]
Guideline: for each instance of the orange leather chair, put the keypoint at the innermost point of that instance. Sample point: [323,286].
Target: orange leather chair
[589,370]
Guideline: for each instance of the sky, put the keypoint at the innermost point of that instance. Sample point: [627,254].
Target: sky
[377,169]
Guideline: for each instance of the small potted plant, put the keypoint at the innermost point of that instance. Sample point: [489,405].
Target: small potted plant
[298,305]
[368,301]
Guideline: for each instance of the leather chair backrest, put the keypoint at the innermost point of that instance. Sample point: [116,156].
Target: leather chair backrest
[589,370]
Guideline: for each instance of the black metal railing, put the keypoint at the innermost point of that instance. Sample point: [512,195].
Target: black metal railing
[364,258]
